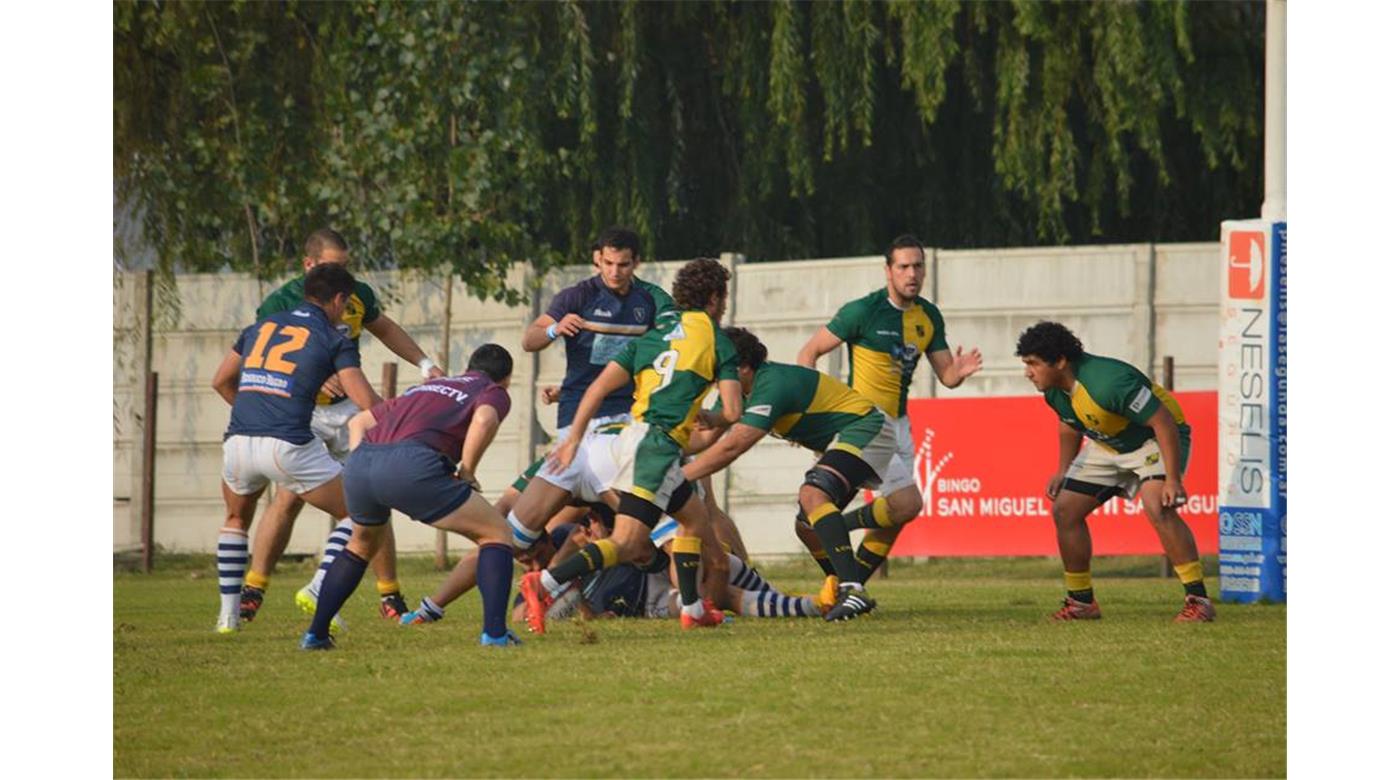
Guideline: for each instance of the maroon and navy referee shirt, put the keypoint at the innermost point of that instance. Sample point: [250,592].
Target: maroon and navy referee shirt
[438,412]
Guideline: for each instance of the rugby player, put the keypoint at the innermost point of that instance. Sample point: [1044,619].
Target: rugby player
[672,368]
[809,408]
[333,410]
[405,456]
[886,333]
[271,378]
[1139,442]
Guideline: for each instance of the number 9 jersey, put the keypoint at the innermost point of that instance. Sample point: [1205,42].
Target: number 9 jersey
[287,356]
[673,366]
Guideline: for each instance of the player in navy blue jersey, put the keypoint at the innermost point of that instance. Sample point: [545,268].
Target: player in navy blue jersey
[404,455]
[271,378]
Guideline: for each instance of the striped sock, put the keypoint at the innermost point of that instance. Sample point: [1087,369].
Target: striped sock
[430,608]
[771,603]
[340,536]
[743,577]
[233,561]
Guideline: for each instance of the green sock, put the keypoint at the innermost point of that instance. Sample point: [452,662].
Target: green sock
[831,529]
[869,557]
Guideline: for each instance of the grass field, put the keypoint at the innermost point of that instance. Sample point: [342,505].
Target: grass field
[958,673]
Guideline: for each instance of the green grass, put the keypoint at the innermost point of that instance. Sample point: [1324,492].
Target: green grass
[957,674]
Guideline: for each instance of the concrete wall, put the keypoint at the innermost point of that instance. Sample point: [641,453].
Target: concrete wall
[1139,302]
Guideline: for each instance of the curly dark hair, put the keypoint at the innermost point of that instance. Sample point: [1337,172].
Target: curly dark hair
[752,353]
[697,282]
[1049,341]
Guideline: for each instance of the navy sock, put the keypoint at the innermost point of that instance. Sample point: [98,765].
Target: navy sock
[342,578]
[494,565]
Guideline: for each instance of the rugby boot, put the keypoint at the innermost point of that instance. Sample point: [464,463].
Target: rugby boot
[1078,610]
[306,601]
[310,642]
[537,600]
[827,597]
[392,606]
[710,618]
[508,639]
[417,617]
[851,601]
[228,624]
[249,601]
[1196,610]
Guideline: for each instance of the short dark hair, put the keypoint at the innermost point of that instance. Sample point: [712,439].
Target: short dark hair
[752,353]
[492,360]
[324,239]
[327,280]
[1049,341]
[621,238]
[903,241]
[697,282]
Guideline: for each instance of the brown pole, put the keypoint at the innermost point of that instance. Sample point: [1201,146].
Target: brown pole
[148,475]
[1168,382]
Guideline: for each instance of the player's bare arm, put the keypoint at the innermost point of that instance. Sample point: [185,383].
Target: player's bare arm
[485,422]
[225,381]
[952,367]
[400,343]
[1069,448]
[613,377]
[359,425]
[821,342]
[358,387]
[736,442]
[1169,442]
[537,335]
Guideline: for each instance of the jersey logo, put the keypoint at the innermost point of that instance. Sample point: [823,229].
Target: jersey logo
[1140,400]
[1152,458]
[919,330]
[602,313]
[762,410]
[640,314]
[677,332]
[886,333]
[296,313]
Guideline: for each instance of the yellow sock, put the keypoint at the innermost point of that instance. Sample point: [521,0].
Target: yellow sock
[609,550]
[387,586]
[1078,581]
[1190,572]
[880,509]
[255,580]
[686,544]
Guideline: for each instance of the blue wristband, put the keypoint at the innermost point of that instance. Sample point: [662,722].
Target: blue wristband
[552,332]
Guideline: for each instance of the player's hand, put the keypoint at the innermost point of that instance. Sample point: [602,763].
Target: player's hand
[1052,488]
[469,478]
[1173,494]
[707,420]
[332,387]
[436,372]
[967,364]
[570,325]
[549,394]
[561,456]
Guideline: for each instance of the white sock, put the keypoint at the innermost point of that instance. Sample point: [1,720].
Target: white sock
[340,536]
[232,562]
[550,584]
[695,608]
[523,538]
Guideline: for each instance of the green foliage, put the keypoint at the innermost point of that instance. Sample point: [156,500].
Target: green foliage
[957,674]
[478,134]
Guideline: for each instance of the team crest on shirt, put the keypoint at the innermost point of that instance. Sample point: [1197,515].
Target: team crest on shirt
[919,330]
[639,314]
[344,329]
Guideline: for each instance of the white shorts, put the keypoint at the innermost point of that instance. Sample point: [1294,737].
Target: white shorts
[250,462]
[1126,471]
[591,470]
[891,454]
[331,424]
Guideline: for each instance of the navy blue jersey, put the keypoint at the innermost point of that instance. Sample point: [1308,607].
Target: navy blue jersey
[621,590]
[613,320]
[286,358]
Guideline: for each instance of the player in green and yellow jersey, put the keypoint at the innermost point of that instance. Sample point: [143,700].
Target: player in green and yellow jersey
[1138,442]
[886,334]
[330,424]
[672,367]
[811,409]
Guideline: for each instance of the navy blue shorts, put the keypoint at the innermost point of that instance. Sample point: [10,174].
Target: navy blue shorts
[408,476]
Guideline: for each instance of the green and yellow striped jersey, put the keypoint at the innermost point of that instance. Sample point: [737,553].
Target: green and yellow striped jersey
[803,405]
[673,366]
[1111,403]
[884,345]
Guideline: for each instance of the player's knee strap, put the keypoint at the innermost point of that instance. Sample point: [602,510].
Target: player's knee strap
[679,496]
[635,506]
[829,483]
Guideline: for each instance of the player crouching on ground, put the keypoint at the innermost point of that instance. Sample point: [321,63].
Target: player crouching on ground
[403,456]
[807,407]
[1139,442]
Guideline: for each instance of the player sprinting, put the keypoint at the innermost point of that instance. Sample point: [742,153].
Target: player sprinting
[271,378]
[1139,442]
[404,456]
[857,440]
[886,333]
[672,368]
[328,422]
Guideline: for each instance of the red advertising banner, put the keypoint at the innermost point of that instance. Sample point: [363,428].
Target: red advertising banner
[982,465]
